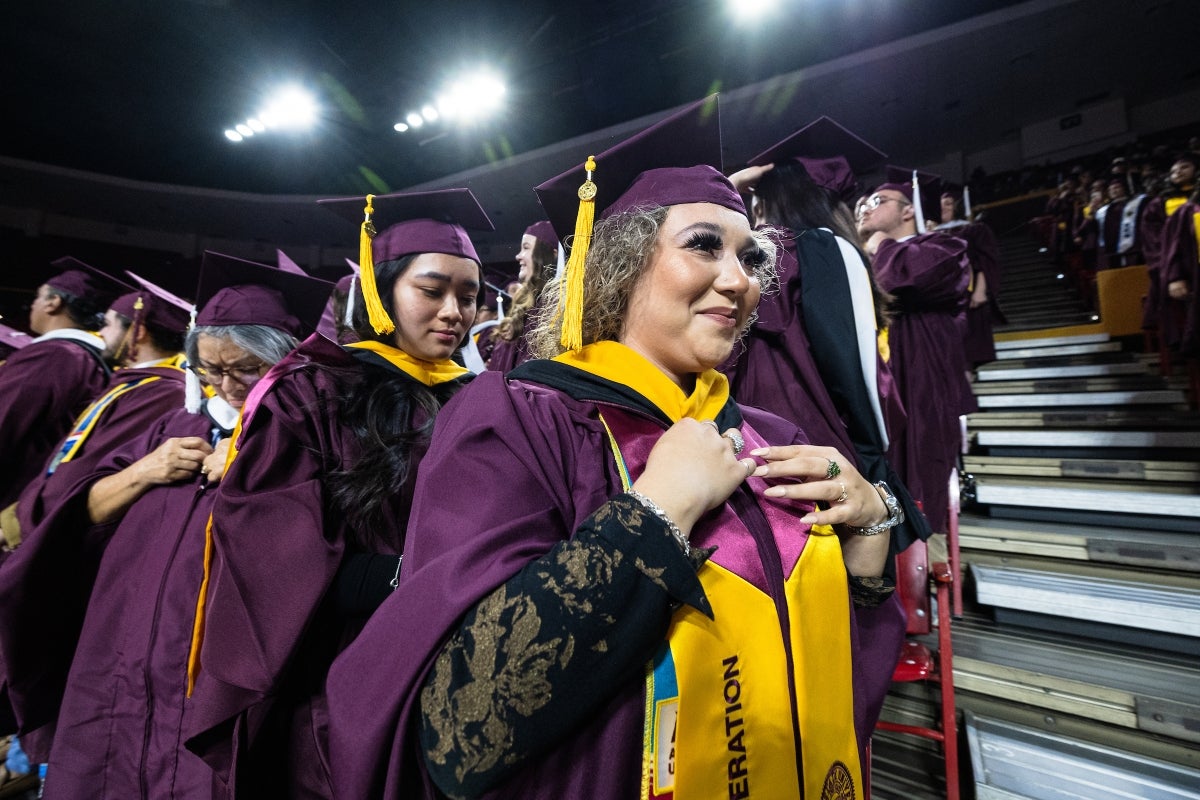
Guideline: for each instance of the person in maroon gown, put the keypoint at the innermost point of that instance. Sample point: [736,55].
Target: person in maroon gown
[309,528]
[983,308]
[538,258]
[928,274]
[550,622]
[45,385]
[149,326]
[97,676]
[1152,231]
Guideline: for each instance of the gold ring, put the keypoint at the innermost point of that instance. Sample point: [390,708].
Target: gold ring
[844,496]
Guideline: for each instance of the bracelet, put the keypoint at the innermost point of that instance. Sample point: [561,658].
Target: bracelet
[895,513]
[652,507]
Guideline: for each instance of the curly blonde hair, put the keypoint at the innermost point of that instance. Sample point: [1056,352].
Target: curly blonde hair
[620,250]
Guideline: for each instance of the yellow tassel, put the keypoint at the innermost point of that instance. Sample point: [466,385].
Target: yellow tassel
[376,313]
[571,305]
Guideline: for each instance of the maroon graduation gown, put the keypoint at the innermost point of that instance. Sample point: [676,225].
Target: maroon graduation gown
[120,421]
[270,631]
[124,709]
[538,464]
[1181,262]
[115,717]
[928,275]
[984,253]
[43,388]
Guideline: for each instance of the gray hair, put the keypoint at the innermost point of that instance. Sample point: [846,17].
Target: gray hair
[262,341]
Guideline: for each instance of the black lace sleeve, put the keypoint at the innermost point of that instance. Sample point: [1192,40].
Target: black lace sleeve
[541,653]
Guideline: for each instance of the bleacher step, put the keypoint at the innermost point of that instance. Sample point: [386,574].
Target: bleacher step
[1138,599]
[1058,350]
[1099,439]
[1086,468]
[1052,341]
[1170,500]
[1134,547]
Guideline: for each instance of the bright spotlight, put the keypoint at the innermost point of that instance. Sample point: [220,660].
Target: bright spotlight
[446,106]
[429,114]
[244,130]
[751,10]
[400,127]
[291,107]
[414,120]
[233,135]
[256,125]
[475,96]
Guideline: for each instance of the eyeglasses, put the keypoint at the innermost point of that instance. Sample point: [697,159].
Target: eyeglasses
[214,376]
[876,200]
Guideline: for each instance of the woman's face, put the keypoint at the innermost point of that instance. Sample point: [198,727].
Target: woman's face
[434,300]
[228,369]
[697,293]
[525,257]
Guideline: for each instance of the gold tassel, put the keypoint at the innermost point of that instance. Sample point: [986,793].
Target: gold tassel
[376,313]
[571,305]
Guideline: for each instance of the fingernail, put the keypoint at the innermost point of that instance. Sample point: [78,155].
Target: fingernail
[774,491]
[761,471]
[760,451]
[809,519]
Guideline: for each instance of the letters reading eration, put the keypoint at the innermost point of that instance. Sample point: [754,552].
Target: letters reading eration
[739,774]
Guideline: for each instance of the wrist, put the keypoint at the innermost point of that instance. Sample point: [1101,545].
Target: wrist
[677,534]
[892,516]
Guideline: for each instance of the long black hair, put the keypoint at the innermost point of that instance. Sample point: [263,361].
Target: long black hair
[789,198]
[379,405]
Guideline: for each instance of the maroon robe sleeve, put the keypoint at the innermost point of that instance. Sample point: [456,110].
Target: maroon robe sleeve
[43,387]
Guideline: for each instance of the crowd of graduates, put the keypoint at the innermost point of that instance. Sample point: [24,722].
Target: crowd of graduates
[286,538]
[1133,212]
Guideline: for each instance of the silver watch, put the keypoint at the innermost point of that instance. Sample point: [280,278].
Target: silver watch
[895,514]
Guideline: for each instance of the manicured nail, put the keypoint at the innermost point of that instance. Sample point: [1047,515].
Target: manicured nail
[761,451]
[775,491]
[761,471]
[809,519]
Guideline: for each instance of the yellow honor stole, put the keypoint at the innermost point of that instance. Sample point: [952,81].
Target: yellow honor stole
[718,716]
[429,373]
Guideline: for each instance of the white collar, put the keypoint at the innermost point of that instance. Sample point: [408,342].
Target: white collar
[220,412]
[86,337]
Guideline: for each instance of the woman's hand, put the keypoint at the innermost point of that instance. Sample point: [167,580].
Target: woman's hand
[809,465]
[690,470]
[173,460]
[849,499]
[213,466]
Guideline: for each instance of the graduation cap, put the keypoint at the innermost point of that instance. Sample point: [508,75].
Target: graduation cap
[396,225]
[830,154]
[543,231]
[151,304]
[83,280]
[233,291]
[675,161]
[928,189]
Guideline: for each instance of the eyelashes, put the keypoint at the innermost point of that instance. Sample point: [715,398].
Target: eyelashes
[704,241]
